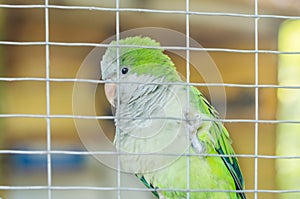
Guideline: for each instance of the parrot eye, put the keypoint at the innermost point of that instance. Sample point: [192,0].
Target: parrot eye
[124,70]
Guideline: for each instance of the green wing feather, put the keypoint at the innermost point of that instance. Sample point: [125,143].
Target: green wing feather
[222,142]
[148,185]
[222,145]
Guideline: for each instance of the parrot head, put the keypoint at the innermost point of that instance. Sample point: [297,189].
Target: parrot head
[137,65]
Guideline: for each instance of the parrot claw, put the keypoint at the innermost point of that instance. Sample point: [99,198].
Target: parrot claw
[194,122]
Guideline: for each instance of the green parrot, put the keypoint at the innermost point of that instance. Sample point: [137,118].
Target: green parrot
[160,120]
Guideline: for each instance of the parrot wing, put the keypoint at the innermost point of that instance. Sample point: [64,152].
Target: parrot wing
[219,138]
[147,184]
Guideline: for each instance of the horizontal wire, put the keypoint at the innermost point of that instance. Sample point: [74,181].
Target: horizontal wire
[74,80]
[223,14]
[108,117]
[65,152]
[112,117]
[110,153]
[102,188]
[42,79]
[87,44]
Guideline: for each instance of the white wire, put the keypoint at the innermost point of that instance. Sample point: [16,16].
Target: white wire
[80,44]
[118,99]
[143,118]
[256,100]
[187,35]
[224,14]
[34,187]
[48,113]
[89,153]
[11,79]
[48,116]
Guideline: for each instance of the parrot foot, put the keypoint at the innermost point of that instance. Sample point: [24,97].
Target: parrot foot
[194,122]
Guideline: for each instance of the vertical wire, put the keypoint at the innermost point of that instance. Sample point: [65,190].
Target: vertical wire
[256,101]
[187,32]
[118,98]
[48,122]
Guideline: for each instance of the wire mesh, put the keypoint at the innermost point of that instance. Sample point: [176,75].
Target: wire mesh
[47,43]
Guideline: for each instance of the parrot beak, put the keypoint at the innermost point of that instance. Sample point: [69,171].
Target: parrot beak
[110,92]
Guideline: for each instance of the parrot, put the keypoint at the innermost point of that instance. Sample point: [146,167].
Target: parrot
[171,134]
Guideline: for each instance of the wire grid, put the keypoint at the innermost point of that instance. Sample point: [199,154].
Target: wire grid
[48,116]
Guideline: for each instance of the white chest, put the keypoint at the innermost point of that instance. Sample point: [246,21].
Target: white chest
[158,137]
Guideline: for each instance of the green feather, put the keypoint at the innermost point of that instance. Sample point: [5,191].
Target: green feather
[223,142]
[141,60]
[208,171]
[148,185]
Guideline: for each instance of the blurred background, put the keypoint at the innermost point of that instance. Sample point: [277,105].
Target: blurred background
[94,26]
